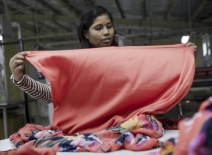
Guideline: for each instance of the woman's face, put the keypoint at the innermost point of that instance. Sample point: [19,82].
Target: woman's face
[101,32]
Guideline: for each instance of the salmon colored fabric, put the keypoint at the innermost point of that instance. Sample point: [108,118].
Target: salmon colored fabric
[195,133]
[104,98]
[97,88]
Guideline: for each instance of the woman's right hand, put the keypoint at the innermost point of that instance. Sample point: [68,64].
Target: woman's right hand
[17,65]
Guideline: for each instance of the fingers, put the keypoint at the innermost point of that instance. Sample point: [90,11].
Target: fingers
[16,61]
[194,47]
[19,68]
[19,56]
[14,64]
[190,44]
[17,65]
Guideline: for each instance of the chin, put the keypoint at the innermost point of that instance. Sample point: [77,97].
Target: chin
[106,45]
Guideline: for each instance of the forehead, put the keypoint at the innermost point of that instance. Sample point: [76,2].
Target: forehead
[102,19]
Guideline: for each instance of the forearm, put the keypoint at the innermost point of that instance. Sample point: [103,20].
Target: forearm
[37,90]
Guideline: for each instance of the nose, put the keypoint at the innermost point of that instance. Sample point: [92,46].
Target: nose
[105,31]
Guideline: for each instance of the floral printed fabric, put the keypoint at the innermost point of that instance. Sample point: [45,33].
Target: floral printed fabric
[137,134]
[167,147]
[195,134]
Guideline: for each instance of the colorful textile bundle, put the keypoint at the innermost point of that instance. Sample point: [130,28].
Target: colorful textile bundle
[104,98]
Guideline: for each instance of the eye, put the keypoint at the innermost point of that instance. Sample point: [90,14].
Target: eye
[109,25]
[98,27]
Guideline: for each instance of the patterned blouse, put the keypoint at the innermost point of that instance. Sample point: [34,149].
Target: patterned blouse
[37,90]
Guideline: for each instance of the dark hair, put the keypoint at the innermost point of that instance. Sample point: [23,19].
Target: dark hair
[86,20]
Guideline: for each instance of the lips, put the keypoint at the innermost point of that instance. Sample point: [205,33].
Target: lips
[106,40]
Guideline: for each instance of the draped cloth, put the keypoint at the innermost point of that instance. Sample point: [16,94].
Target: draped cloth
[98,88]
[104,98]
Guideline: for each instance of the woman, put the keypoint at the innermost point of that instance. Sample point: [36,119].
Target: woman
[95,30]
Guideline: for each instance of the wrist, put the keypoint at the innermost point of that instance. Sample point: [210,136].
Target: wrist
[16,81]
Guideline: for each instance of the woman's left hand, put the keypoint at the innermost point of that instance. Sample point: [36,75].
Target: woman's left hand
[190,44]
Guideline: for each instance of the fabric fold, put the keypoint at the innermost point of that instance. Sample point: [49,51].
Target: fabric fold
[97,88]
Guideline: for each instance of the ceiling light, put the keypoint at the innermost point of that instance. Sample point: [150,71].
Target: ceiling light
[1,38]
[185,39]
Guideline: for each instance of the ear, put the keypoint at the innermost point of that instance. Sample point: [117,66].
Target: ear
[85,33]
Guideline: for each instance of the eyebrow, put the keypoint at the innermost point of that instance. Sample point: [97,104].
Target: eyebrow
[102,24]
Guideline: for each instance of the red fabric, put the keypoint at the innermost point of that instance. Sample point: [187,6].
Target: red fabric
[97,88]
[191,140]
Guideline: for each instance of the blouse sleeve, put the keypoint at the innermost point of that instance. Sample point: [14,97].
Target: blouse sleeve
[35,89]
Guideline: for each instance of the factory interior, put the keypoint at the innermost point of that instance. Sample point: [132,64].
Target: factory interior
[48,25]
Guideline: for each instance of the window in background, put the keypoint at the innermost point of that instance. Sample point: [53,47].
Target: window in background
[206,50]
